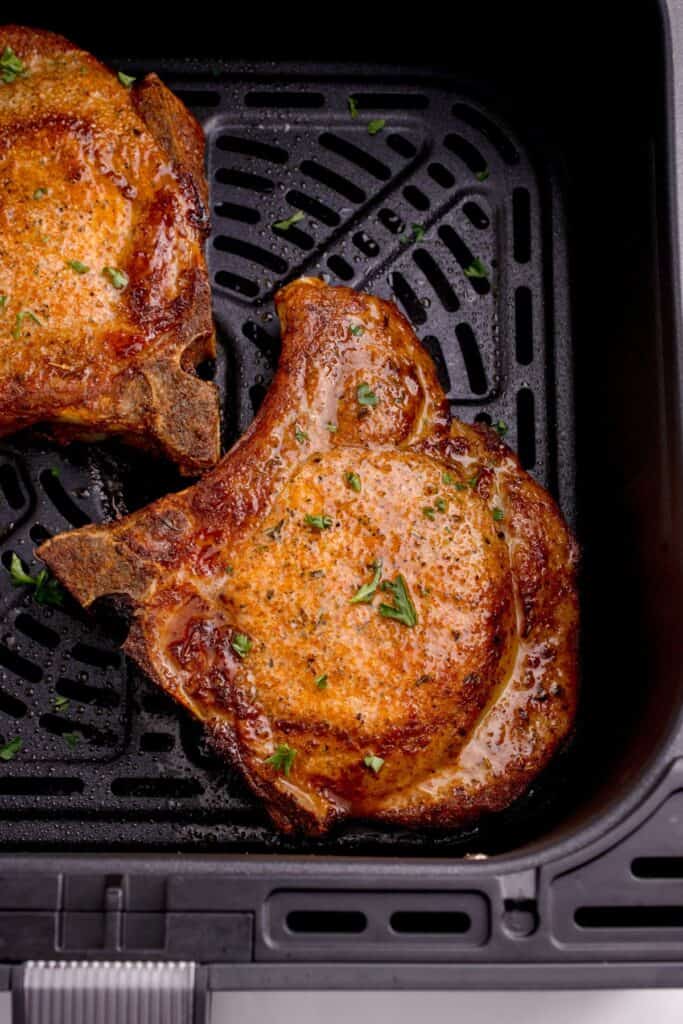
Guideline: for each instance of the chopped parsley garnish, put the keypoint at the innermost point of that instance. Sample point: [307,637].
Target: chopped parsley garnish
[3,301]
[374,763]
[356,330]
[126,80]
[448,478]
[40,193]
[119,278]
[332,427]
[473,481]
[285,225]
[403,609]
[441,504]
[376,125]
[318,522]
[365,396]
[353,106]
[500,427]
[283,758]
[476,269]
[482,175]
[54,472]
[498,514]
[46,589]
[418,232]
[321,682]
[25,314]
[300,434]
[275,531]
[72,739]
[11,749]
[11,66]
[428,511]
[78,267]
[241,644]
[353,481]
[365,593]
[61,703]
[229,570]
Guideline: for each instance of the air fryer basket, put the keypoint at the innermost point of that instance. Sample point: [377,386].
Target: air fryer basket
[520,145]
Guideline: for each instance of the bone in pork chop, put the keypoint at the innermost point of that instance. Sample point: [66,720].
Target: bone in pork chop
[370,606]
[105,306]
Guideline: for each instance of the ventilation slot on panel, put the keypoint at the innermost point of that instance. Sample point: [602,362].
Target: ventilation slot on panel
[284,100]
[19,666]
[236,283]
[34,786]
[466,152]
[526,429]
[416,197]
[327,921]
[340,267]
[433,346]
[415,311]
[36,631]
[476,216]
[244,179]
[84,693]
[264,342]
[330,179]
[657,867]
[348,151]
[368,246]
[241,214]
[474,366]
[157,742]
[253,253]
[391,221]
[441,175]
[69,727]
[629,917]
[198,97]
[10,487]
[253,148]
[401,145]
[426,922]
[96,656]
[313,207]
[39,534]
[12,706]
[64,504]
[391,101]
[157,789]
[465,258]
[489,130]
[524,339]
[437,279]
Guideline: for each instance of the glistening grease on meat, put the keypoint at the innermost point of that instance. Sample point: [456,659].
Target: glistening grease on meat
[105,306]
[370,606]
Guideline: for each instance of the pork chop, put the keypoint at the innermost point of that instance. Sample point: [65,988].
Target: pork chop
[105,305]
[370,606]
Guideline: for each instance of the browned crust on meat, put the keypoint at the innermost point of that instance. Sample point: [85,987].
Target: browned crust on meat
[120,177]
[466,707]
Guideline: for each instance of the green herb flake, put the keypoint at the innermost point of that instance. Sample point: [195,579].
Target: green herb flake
[61,703]
[78,267]
[241,644]
[498,515]
[321,682]
[46,589]
[300,434]
[11,66]
[418,232]
[229,570]
[473,481]
[476,269]
[482,175]
[54,472]
[285,225]
[119,278]
[448,478]
[353,481]
[374,763]
[403,609]
[4,299]
[428,512]
[353,106]
[376,126]
[500,427]
[356,330]
[72,739]
[25,314]
[332,427]
[125,80]
[365,593]
[441,504]
[40,193]
[365,396]
[318,522]
[283,758]
[11,749]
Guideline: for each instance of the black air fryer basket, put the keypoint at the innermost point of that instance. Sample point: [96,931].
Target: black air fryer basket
[542,145]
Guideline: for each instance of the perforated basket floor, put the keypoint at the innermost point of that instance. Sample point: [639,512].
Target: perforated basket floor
[406,212]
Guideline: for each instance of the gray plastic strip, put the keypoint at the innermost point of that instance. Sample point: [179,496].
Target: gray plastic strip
[74,992]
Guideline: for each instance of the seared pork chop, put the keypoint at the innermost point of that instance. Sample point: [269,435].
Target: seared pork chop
[105,306]
[370,606]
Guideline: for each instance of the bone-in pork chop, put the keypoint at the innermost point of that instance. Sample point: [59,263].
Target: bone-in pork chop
[370,606]
[105,306]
